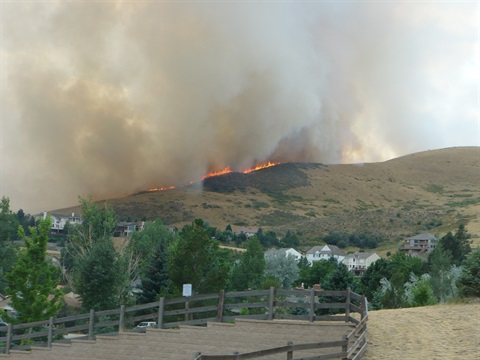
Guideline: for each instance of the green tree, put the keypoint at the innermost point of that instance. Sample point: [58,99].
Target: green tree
[99,277]
[8,221]
[470,276]
[339,279]
[458,244]
[154,235]
[155,280]
[370,281]
[283,267]
[248,272]
[318,272]
[195,259]
[419,292]
[443,279]
[32,283]
[97,224]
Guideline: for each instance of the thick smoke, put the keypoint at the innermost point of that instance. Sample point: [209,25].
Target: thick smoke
[109,98]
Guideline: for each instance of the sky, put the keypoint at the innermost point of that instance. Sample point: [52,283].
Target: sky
[108,98]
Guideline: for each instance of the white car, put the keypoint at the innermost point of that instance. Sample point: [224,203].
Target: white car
[146,324]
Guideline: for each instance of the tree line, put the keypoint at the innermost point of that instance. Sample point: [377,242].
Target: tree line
[157,261]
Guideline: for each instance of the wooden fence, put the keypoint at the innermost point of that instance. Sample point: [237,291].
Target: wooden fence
[309,305]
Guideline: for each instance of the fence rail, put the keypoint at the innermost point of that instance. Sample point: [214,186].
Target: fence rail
[310,305]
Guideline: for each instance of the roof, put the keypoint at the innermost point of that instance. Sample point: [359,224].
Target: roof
[359,255]
[281,250]
[333,250]
[424,236]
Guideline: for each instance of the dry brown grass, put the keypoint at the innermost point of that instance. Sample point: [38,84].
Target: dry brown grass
[450,332]
[430,191]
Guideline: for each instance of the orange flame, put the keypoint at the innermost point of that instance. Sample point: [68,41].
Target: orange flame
[162,188]
[261,166]
[227,170]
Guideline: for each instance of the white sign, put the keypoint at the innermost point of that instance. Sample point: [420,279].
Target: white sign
[187,289]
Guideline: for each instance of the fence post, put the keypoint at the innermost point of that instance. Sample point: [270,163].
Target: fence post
[121,321]
[161,307]
[347,306]
[91,322]
[290,351]
[363,307]
[312,304]
[9,338]
[345,347]
[50,332]
[221,302]
[271,303]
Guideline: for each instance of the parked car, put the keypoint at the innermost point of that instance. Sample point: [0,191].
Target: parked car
[146,324]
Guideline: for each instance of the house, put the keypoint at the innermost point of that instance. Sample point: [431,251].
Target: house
[247,232]
[419,244]
[290,251]
[59,221]
[325,252]
[360,261]
[126,229]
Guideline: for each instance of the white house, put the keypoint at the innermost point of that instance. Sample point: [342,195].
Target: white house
[360,261]
[290,251]
[325,252]
[59,221]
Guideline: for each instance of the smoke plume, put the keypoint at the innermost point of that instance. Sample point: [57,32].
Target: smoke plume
[109,98]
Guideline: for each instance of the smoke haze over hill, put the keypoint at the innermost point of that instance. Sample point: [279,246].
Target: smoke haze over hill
[108,98]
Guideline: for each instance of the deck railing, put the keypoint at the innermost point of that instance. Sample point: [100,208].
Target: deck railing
[310,305]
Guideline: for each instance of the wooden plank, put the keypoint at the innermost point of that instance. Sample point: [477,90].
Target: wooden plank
[355,308]
[271,303]
[292,317]
[297,292]
[247,293]
[290,304]
[247,305]
[143,317]
[191,310]
[319,345]
[107,312]
[71,318]
[330,293]
[30,325]
[355,296]
[330,306]
[357,344]
[152,305]
[337,355]
[360,353]
[72,329]
[353,320]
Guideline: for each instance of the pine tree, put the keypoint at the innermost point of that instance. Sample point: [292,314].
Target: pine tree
[32,283]
[155,279]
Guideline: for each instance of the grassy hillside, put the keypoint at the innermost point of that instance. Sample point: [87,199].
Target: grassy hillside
[429,191]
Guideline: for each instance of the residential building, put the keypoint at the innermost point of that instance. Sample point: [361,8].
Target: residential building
[126,229]
[419,244]
[359,262]
[325,252]
[59,221]
[291,251]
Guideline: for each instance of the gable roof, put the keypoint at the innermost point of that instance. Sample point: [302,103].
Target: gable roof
[359,255]
[332,250]
[424,236]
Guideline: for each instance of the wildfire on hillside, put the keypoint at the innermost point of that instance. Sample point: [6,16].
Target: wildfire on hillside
[227,170]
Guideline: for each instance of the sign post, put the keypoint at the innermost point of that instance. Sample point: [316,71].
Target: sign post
[187,292]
